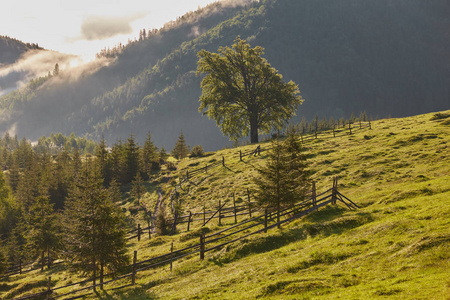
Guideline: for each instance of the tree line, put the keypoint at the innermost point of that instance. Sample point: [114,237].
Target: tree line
[59,198]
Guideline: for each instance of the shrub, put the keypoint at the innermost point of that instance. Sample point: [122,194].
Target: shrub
[197,151]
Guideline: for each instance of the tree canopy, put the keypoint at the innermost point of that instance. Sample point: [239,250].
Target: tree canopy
[243,93]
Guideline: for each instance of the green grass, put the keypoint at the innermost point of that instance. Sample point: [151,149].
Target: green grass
[396,246]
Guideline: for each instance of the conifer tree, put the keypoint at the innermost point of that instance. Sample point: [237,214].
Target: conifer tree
[138,187]
[102,162]
[149,157]
[284,179]
[95,227]
[180,150]
[43,230]
[131,157]
[117,162]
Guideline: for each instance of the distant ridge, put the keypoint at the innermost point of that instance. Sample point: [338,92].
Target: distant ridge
[386,58]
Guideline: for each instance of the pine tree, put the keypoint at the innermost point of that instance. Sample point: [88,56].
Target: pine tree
[95,231]
[284,179]
[138,187]
[43,230]
[131,157]
[102,162]
[180,150]
[149,157]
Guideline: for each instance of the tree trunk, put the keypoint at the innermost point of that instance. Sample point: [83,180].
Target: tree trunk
[253,130]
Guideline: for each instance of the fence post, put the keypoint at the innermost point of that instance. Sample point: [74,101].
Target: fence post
[234,205]
[49,287]
[139,232]
[204,215]
[249,204]
[189,220]
[149,228]
[202,246]
[220,216]
[223,161]
[101,276]
[265,220]
[313,192]
[334,133]
[187,175]
[334,190]
[171,258]
[48,258]
[174,225]
[360,125]
[350,127]
[370,126]
[315,133]
[133,272]
[301,135]
[240,155]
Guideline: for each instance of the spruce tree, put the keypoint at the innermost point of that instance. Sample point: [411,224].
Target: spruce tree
[43,230]
[180,150]
[131,157]
[149,157]
[284,179]
[102,162]
[95,227]
[138,187]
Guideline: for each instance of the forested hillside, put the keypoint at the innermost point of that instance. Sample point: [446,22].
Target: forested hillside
[382,57]
[10,51]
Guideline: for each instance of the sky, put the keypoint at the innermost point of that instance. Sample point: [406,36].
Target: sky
[84,27]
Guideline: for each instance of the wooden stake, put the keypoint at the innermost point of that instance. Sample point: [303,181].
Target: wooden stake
[265,220]
[204,216]
[234,205]
[202,247]
[49,288]
[133,275]
[171,259]
[139,232]
[314,193]
[189,221]
[249,204]
[220,210]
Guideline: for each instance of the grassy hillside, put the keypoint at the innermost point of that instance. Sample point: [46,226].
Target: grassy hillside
[397,245]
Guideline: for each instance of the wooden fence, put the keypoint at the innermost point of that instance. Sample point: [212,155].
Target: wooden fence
[261,223]
[306,135]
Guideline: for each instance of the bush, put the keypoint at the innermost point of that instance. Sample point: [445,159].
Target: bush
[171,166]
[197,151]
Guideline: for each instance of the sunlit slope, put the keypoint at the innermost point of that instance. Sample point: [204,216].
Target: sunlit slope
[397,245]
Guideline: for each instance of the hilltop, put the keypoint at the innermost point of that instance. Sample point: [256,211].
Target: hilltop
[395,245]
[347,56]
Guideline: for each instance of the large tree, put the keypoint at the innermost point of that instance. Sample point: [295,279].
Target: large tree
[243,93]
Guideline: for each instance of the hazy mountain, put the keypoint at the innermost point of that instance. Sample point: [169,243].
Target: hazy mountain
[382,57]
[10,51]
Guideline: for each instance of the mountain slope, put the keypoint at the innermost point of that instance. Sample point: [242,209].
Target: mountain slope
[347,56]
[10,51]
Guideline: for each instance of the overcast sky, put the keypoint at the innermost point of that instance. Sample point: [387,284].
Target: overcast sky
[84,27]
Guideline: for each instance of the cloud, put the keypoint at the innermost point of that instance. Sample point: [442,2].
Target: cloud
[103,27]
[37,63]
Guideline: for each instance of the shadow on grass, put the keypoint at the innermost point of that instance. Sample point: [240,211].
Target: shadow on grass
[327,221]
